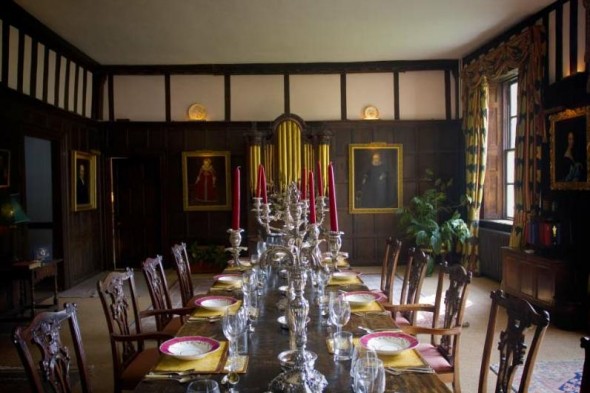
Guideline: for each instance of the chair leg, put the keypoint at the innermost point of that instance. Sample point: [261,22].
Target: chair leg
[456,384]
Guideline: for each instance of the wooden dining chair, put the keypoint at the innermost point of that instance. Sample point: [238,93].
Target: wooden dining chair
[389,267]
[131,358]
[442,352]
[585,385]
[183,271]
[170,321]
[55,361]
[521,317]
[411,288]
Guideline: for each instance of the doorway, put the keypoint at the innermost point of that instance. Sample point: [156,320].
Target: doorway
[136,210]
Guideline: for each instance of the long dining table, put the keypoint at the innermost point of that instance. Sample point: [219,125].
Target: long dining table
[269,339]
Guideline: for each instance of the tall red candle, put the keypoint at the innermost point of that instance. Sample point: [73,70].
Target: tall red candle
[259,181]
[312,216]
[303,184]
[235,222]
[263,184]
[320,180]
[332,196]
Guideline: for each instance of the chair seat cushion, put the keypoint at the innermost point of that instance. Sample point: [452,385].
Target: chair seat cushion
[400,320]
[432,356]
[139,367]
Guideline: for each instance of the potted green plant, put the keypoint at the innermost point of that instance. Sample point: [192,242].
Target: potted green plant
[207,258]
[431,223]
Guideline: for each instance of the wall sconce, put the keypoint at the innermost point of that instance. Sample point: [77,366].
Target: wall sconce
[370,112]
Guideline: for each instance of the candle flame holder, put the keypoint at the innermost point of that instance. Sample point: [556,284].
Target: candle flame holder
[235,239]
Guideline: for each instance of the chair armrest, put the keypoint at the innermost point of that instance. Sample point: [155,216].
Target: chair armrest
[394,308]
[415,330]
[155,336]
[170,311]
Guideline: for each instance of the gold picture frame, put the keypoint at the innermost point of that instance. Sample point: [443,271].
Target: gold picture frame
[570,149]
[375,178]
[83,181]
[206,180]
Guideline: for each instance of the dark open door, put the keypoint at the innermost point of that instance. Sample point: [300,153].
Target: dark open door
[137,228]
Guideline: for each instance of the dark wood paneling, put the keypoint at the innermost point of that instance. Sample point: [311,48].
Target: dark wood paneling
[365,234]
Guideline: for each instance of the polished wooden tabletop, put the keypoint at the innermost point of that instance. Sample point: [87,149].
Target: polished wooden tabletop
[269,339]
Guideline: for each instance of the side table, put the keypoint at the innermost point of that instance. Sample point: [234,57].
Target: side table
[29,274]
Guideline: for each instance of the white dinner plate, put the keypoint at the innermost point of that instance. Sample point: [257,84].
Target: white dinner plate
[342,276]
[189,347]
[229,278]
[389,343]
[361,298]
[216,303]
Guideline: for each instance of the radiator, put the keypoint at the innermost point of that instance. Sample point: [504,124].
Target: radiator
[490,257]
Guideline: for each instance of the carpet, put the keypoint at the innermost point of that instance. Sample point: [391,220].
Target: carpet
[552,376]
[15,380]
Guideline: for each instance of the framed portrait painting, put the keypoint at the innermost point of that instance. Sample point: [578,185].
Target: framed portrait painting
[4,168]
[206,180]
[83,181]
[570,149]
[375,178]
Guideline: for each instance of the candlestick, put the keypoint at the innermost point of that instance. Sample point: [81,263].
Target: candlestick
[303,184]
[236,200]
[332,196]
[312,216]
[320,180]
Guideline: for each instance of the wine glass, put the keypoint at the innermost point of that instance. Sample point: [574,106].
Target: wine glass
[234,324]
[369,376]
[252,310]
[339,312]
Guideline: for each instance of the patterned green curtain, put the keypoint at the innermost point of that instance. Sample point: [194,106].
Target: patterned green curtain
[524,52]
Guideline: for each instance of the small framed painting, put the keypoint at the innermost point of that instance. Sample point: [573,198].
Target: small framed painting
[4,168]
[570,149]
[83,181]
[375,178]
[206,180]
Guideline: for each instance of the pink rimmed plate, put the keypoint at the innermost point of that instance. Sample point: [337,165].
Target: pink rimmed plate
[189,347]
[389,343]
[229,278]
[216,303]
[361,298]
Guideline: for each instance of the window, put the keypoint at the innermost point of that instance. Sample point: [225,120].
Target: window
[510,115]
[498,193]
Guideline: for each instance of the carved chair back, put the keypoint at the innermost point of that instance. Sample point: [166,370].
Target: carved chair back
[585,386]
[522,319]
[413,279]
[389,266]
[183,270]
[158,288]
[55,364]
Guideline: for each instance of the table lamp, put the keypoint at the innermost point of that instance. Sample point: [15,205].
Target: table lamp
[11,215]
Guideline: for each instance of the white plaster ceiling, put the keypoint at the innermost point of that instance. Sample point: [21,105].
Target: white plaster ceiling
[277,31]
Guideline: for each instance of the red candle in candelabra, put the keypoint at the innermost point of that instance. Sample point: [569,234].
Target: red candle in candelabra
[259,181]
[235,222]
[263,185]
[312,216]
[320,180]
[332,196]
[303,184]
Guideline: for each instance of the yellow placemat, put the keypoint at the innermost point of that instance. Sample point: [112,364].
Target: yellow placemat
[372,306]
[348,281]
[204,313]
[209,364]
[227,285]
[408,358]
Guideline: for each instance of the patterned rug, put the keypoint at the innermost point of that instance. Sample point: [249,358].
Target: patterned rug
[552,376]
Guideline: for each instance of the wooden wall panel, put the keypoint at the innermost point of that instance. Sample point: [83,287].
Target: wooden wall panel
[365,234]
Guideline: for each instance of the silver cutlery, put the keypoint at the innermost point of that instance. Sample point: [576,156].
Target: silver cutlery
[404,370]
[172,377]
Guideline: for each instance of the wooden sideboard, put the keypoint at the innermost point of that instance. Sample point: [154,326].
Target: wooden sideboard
[541,281]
